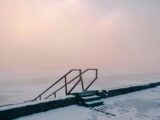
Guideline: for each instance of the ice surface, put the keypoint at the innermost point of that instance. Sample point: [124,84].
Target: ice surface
[141,105]
[16,87]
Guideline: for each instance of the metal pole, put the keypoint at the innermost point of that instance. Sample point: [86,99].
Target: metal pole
[81,80]
[55,95]
[65,81]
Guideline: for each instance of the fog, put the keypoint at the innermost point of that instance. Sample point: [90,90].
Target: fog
[63,34]
[42,39]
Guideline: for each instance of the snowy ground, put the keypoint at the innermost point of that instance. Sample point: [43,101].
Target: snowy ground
[142,105]
[16,87]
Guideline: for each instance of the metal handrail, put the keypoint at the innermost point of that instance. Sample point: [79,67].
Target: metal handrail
[64,76]
[80,80]
[96,77]
[61,87]
[66,83]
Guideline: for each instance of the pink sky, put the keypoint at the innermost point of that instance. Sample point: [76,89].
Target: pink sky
[64,34]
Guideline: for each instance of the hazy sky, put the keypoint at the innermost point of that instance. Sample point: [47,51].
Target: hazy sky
[115,35]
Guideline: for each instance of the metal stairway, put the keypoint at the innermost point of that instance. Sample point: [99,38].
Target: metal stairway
[66,82]
[89,98]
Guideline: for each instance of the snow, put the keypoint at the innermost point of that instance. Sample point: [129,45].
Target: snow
[7,107]
[93,102]
[19,86]
[88,97]
[141,105]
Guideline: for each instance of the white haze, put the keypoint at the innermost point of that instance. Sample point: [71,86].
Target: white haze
[42,39]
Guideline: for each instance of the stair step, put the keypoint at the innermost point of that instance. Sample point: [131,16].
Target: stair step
[88,93]
[90,98]
[93,103]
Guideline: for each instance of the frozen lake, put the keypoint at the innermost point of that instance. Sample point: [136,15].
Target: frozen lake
[17,87]
[141,105]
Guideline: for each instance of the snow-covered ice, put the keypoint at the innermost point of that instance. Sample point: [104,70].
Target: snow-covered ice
[16,87]
[141,105]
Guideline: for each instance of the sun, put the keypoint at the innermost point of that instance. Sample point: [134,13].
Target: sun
[22,28]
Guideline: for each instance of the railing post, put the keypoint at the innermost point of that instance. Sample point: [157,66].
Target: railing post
[55,95]
[40,97]
[81,79]
[96,73]
[65,81]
